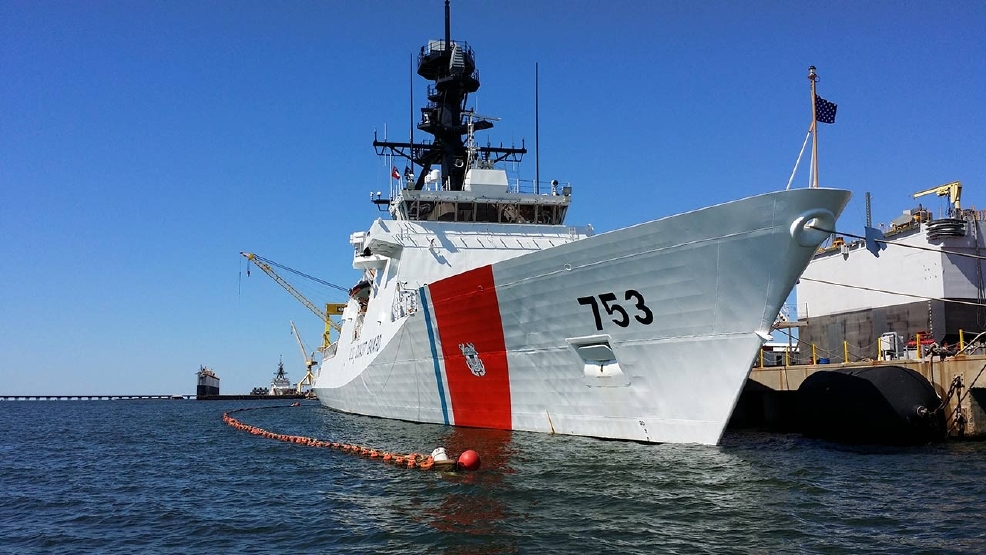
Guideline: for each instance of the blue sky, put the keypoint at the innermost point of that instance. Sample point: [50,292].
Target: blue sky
[143,145]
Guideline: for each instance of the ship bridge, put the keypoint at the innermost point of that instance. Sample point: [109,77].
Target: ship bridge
[485,197]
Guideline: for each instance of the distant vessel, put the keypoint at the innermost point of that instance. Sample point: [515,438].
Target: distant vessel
[208,383]
[478,306]
[927,279]
[281,384]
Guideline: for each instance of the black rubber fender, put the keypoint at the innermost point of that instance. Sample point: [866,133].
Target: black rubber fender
[889,405]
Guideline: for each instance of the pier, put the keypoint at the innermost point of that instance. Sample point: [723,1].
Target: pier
[251,397]
[90,397]
[145,397]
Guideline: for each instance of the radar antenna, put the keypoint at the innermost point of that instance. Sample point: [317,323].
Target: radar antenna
[451,65]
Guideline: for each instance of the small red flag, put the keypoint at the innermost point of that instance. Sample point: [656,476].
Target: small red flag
[395,174]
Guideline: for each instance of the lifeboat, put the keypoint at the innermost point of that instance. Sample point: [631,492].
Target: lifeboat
[360,291]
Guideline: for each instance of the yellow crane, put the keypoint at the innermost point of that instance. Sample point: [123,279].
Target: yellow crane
[309,378]
[953,190]
[330,308]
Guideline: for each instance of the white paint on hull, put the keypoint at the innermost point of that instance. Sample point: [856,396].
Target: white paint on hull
[713,281]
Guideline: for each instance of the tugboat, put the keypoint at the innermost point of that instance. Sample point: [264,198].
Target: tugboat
[478,306]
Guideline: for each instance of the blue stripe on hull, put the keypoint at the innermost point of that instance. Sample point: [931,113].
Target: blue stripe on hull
[434,352]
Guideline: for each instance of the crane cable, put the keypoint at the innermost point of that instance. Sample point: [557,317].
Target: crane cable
[922,297]
[467,460]
[300,273]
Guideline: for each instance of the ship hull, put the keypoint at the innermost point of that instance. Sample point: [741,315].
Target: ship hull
[206,390]
[207,385]
[645,333]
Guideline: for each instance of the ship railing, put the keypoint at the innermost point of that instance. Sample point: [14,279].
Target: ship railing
[547,188]
[526,186]
[800,353]
[437,46]
[432,92]
[975,346]
[405,302]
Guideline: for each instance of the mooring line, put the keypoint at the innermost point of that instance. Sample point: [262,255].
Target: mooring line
[437,460]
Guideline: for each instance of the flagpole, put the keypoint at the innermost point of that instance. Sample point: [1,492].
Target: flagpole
[814,127]
[410,81]
[537,134]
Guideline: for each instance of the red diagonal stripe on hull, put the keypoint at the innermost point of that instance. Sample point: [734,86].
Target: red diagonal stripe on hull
[467,312]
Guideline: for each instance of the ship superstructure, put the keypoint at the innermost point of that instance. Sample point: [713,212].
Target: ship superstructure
[281,384]
[479,306]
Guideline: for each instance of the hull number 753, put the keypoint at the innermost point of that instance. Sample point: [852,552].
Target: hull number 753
[641,314]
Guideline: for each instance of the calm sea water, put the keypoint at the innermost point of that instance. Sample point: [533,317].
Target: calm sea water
[170,477]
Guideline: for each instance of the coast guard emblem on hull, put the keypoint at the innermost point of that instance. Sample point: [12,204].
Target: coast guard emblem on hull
[472,359]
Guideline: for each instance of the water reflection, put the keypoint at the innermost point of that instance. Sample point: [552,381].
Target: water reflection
[473,503]
[551,493]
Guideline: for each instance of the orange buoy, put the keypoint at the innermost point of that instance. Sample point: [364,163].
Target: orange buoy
[469,460]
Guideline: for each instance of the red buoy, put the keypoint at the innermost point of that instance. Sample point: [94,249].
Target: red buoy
[469,460]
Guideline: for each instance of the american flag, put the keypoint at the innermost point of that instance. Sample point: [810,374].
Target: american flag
[394,173]
[824,110]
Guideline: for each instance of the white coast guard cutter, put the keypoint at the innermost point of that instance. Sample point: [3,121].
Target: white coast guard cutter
[478,306]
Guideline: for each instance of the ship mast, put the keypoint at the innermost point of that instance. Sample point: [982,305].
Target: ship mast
[451,66]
